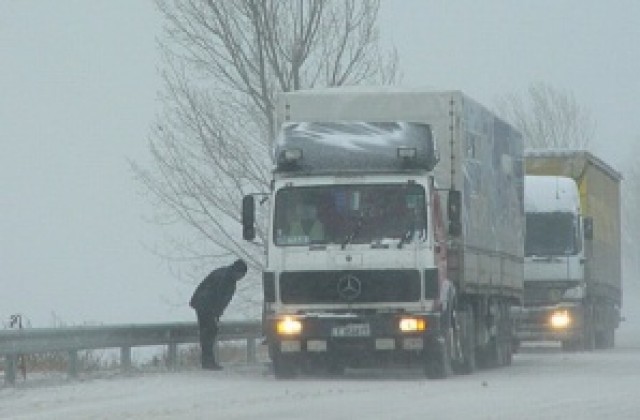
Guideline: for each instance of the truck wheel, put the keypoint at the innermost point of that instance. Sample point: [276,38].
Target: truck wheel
[586,341]
[508,352]
[498,351]
[335,368]
[508,336]
[605,339]
[438,360]
[611,337]
[494,354]
[600,340]
[283,368]
[588,337]
[570,345]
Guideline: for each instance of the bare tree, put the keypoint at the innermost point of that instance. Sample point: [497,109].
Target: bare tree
[548,118]
[223,63]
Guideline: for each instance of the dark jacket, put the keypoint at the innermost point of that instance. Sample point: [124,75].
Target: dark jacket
[215,292]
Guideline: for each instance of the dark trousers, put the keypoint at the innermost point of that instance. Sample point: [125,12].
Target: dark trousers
[208,325]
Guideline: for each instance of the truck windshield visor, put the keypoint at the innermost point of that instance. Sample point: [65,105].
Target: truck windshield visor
[350,214]
[552,234]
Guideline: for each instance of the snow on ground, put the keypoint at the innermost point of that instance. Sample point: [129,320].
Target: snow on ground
[543,382]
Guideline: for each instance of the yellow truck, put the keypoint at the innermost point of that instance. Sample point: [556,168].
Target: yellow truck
[572,280]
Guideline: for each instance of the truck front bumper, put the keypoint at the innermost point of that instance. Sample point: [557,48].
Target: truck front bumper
[355,340]
[549,323]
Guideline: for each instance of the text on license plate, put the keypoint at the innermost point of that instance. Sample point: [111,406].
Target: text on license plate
[351,330]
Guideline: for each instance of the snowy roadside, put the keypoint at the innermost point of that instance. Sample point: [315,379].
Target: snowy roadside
[541,383]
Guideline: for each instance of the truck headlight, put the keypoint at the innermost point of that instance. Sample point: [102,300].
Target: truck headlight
[289,326]
[412,324]
[560,319]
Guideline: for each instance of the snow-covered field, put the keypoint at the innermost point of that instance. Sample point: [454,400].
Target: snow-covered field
[543,382]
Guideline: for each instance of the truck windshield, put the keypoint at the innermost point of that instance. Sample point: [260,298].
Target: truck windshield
[350,214]
[551,234]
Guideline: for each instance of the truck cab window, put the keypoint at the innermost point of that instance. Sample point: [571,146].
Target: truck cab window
[551,234]
[359,214]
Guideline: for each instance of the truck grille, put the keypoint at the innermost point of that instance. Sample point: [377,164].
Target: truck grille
[367,286]
[545,292]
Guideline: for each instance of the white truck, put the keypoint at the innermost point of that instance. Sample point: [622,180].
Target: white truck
[573,284]
[396,232]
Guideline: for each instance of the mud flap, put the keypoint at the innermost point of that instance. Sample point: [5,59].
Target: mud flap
[467,340]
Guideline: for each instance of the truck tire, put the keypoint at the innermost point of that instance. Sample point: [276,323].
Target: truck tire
[570,345]
[585,341]
[605,339]
[611,338]
[508,335]
[588,339]
[498,351]
[508,352]
[284,367]
[437,363]
[335,368]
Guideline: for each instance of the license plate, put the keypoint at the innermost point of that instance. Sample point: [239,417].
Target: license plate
[351,330]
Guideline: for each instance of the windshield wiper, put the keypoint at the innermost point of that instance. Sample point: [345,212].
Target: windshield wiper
[408,236]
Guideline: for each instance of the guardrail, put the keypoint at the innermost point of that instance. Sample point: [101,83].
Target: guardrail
[14,343]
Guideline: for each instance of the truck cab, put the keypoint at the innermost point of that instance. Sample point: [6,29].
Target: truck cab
[354,245]
[554,259]
[573,285]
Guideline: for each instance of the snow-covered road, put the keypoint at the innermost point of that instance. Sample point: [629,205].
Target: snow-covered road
[543,382]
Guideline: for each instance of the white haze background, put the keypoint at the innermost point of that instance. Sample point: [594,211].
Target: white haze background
[78,89]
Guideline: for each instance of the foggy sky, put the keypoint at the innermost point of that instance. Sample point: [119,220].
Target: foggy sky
[490,48]
[78,87]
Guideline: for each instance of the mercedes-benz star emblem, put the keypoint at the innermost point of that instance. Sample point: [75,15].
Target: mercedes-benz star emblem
[349,287]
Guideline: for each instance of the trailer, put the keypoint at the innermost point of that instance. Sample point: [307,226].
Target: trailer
[396,231]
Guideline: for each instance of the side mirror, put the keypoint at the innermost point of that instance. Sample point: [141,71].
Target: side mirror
[587,224]
[454,212]
[248,218]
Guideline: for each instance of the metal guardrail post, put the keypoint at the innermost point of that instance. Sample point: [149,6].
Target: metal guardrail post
[73,364]
[10,363]
[172,356]
[251,350]
[125,358]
